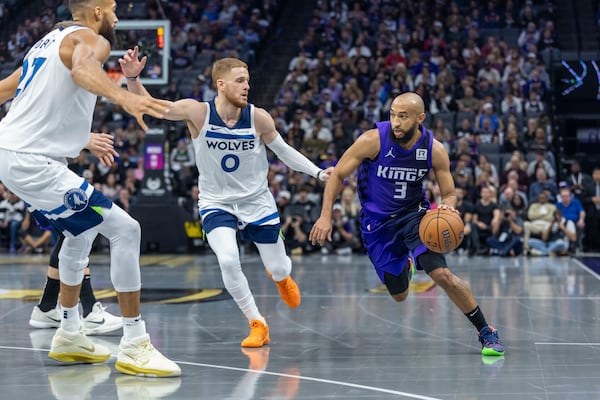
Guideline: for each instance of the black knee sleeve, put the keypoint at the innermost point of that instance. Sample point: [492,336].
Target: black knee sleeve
[397,284]
[430,261]
[54,255]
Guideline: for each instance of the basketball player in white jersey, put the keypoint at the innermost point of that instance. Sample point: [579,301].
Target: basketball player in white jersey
[229,137]
[49,119]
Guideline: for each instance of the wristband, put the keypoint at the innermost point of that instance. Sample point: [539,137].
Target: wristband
[132,78]
[319,175]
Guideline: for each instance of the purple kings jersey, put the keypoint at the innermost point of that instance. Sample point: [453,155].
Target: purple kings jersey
[392,184]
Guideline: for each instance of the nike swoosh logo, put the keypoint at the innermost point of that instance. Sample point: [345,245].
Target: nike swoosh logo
[96,322]
[470,315]
[91,349]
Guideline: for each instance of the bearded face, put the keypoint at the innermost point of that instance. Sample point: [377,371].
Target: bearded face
[403,136]
[107,30]
[237,86]
[236,99]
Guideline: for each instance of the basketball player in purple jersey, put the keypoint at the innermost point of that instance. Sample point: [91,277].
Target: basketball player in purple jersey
[392,161]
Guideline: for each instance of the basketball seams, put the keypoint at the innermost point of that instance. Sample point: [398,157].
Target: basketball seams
[431,235]
[450,228]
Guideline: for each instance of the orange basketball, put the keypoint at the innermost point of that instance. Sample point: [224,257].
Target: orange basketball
[441,230]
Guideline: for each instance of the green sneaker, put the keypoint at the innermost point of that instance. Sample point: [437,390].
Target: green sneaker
[490,342]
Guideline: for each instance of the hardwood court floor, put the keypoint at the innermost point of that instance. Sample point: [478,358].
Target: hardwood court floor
[343,342]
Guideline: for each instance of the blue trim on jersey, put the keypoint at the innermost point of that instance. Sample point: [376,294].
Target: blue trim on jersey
[61,209]
[261,233]
[42,221]
[251,233]
[242,123]
[207,210]
[218,219]
[82,220]
[265,219]
[228,136]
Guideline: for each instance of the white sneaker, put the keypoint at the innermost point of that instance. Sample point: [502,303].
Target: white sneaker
[139,357]
[48,319]
[75,347]
[137,387]
[101,321]
[77,382]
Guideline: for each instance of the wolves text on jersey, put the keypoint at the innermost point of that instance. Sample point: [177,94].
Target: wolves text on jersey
[231,145]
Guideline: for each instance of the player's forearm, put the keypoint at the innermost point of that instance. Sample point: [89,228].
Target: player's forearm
[134,85]
[293,158]
[332,190]
[88,74]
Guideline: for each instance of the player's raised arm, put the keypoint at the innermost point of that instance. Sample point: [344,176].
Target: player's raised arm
[83,53]
[189,110]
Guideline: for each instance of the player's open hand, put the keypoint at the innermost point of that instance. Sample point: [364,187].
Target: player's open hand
[102,146]
[320,231]
[140,105]
[130,63]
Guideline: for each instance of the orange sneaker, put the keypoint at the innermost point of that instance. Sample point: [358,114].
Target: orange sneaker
[259,334]
[288,290]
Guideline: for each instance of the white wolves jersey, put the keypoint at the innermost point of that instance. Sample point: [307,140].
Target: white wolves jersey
[50,114]
[232,162]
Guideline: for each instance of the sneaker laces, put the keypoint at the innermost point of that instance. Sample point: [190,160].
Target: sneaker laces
[287,283]
[255,324]
[99,306]
[490,336]
[143,353]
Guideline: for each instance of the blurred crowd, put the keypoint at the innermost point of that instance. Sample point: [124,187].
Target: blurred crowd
[480,67]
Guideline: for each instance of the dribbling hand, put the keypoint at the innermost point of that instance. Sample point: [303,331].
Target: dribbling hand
[447,207]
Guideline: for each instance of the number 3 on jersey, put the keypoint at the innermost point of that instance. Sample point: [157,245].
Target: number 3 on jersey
[400,190]
[28,73]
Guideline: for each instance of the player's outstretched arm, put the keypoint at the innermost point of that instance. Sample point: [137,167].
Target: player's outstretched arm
[265,126]
[83,52]
[188,110]
[366,146]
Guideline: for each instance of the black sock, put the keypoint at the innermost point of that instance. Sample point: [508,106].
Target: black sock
[86,296]
[50,295]
[477,319]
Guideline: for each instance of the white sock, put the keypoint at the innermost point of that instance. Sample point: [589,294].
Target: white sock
[70,320]
[133,328]
[245,301]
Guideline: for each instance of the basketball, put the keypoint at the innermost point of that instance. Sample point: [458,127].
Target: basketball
[441,230]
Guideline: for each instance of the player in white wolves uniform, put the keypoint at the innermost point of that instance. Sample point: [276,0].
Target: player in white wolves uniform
[50,118]
[229,137]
